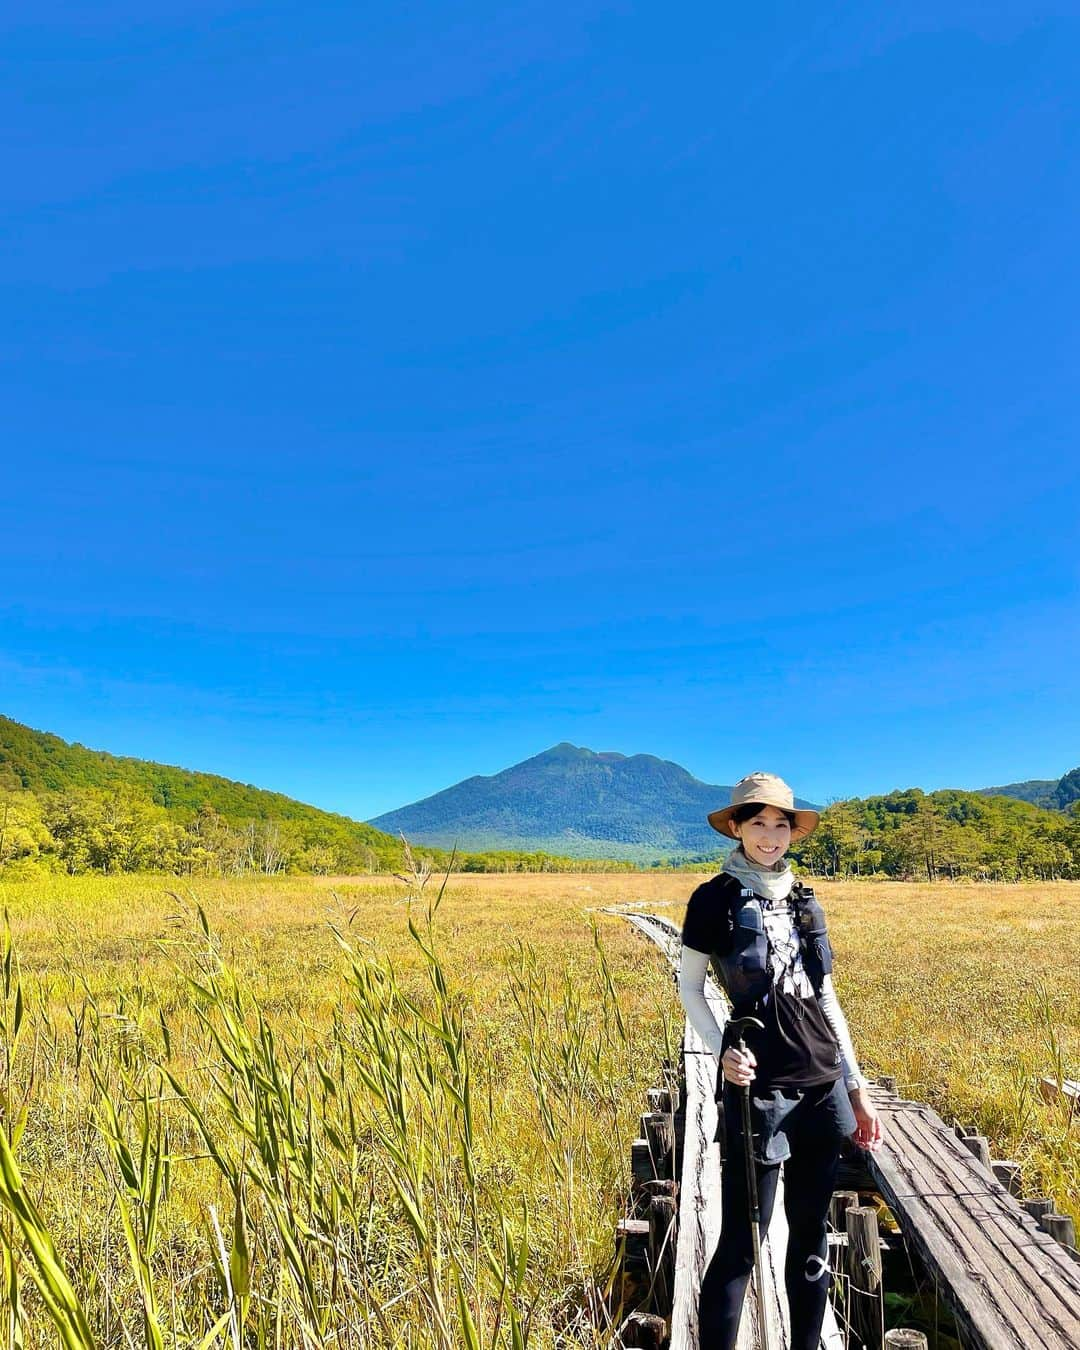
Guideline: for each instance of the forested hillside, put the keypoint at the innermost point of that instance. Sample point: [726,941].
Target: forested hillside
[88,811]
[944,834]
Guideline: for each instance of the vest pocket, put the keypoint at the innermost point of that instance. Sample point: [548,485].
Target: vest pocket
[817,951]
[751,944]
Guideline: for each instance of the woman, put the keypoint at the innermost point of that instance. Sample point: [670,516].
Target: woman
[765,935]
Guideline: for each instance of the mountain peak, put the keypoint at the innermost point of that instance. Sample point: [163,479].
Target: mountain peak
[574,801]
[566,751]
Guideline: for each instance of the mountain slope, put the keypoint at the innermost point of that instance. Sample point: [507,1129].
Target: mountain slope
[575,802]
[1052,794]
[38,762]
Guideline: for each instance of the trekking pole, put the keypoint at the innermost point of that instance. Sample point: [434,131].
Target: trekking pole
[739,1026]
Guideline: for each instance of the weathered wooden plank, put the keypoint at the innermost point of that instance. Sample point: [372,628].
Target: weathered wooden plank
[1003,1232]
[1007,1287]
[1068,1088]
[699,1180]
[699,1189]
[1026,1252]
[958,1205]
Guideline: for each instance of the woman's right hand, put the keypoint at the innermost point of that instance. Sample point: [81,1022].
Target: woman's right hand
[738,1066]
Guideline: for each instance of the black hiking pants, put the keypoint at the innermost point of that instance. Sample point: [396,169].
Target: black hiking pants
[808,1126]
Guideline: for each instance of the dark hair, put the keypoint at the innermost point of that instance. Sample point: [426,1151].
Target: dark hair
[749,810]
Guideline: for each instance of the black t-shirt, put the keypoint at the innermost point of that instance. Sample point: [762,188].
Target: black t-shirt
[797,1047]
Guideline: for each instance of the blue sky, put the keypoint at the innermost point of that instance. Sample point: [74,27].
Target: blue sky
[391,392]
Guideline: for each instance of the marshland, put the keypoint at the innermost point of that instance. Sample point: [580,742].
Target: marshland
[372,1112]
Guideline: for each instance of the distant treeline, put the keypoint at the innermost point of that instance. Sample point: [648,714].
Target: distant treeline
[928,836]
[531,862]
[915,835]
[905,835]
[120,830]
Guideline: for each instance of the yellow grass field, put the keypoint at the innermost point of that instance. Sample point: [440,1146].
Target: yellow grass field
[310,1126]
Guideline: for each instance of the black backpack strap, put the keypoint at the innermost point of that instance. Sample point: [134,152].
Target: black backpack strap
[813,935]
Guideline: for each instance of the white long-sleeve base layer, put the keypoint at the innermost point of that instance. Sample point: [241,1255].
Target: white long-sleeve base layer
[693,968]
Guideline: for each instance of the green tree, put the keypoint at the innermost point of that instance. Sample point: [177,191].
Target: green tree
[837,845]
[23,832]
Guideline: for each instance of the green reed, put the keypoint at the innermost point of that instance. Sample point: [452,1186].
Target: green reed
[394,1167]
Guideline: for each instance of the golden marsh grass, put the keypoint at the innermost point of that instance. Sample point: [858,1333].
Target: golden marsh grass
[307,1125]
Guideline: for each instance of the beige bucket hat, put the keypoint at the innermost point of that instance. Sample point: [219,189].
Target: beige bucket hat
[768,790]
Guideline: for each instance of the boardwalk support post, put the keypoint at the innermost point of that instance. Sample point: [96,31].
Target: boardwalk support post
[839,1205]
[641,1162]
[1008,1173]
[1060,1227]
[633,1236]
[1066,1091]
[644,1331]
[659,1132]
[979,1147]
[671,1070]
[862,1265]
[660,1099]
[662,1251]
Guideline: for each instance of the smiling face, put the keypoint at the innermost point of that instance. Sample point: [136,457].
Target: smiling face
[765,837]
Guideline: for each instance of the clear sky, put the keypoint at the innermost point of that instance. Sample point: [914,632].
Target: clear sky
[391,391]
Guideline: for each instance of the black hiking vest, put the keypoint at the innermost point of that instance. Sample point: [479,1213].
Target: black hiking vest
[745,973]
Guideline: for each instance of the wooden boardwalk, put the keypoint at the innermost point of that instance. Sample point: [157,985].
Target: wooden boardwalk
[1009,1285]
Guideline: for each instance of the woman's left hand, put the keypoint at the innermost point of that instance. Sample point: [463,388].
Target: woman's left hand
[868,1132]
